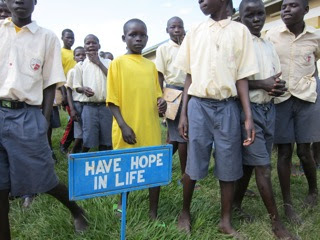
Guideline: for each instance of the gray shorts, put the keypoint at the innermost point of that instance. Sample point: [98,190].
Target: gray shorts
[173,130]
[26,164]
[55,118]
[297,121]
[218,121]
[259,153]
[77,126]
[97,125]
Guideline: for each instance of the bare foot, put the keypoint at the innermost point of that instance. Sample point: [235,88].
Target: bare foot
[311,200]
[281,232]
[292,215]
[243,215]
[184,222]
[80,222]
[153,214]
[229,230]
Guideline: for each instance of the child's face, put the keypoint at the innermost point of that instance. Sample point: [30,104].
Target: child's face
[91,44]
[21,9]
[210,7]
[4,11]
[253,15]
[176,31]
[79,55]
[108,56]
[135,37]
[293,11]
[68,39]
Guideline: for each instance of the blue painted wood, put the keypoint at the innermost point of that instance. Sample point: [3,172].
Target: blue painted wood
[123,216]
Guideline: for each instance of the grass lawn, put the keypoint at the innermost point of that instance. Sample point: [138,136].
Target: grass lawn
[48,219]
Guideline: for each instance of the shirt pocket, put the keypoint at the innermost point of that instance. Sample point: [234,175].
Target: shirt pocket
[30,63]
[306,56]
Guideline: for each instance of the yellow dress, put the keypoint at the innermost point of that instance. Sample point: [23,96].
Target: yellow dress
[67,60]
[133,86]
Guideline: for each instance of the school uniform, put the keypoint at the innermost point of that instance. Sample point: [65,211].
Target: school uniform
[174,78]
[216,54]
[96,116]
[30,62]
[298,110]
[76,97]
[262,106]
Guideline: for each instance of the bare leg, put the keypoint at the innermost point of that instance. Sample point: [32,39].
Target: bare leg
[104,148]
[4,215]
[184,220]
[309,166]
[316,152]
[182,148]
[284,171]
[154,194]
[77,146]
[85,149]
[60,192]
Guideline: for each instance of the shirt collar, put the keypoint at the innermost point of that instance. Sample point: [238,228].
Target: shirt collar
[172,43]
[306,29]
[222,23]
[33,26]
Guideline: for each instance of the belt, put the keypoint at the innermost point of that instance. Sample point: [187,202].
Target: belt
[174,87]
[216,100]
[15,104]
[94,103]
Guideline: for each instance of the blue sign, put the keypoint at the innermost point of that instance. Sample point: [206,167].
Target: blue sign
[104,173]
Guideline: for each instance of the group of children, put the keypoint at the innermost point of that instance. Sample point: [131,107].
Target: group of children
[241,93]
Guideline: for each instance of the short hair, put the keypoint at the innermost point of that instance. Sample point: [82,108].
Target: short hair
[92,35]
[65,31]
[77,48]
[244,2]
[305,3]
[131,21]
[2,1]
[175,17]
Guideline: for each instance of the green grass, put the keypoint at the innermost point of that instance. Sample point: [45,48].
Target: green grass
[48,219]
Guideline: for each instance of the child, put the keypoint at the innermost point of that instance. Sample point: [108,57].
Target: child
[28,168]
[298,110]
[108,55]
[73,102]
[134,98]
[90,81]
[218,56]
[262,85]
[68,63]
[4,11]
[174,79]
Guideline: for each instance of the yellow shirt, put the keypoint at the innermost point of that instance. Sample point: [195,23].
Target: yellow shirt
[297,57]
[269,65]
[70,76]
[217,54]
[30,62]
[88,74]
[67,60]
[133,86]
[165,57]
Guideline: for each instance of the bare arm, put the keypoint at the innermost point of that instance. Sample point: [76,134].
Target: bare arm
[47,102]
[273,85]
[73,113]
[243,93]
[161,80]
[183,123]
[128,134]
[93,57]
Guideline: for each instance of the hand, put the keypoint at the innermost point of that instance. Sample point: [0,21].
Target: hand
[128,134]
[74,115]
[162,106]
[251,133]
[275,86]
[183,127]
[93,57]
[64,102]
[88,91]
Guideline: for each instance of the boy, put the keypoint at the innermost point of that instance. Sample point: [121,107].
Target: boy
[28,168]
[174,78]
[217,56]
[4,11]
[73,102]
[90,80]
[134,98]
[68,63]
[262,85]
[298,110]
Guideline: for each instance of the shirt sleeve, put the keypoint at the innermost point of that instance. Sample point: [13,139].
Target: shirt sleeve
[77,78]
[182,60]
[52,67]
[246,59]
[160,63]
[158,89]
[70,77]
[113,83]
